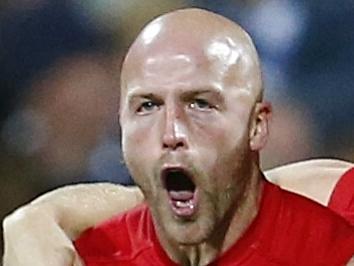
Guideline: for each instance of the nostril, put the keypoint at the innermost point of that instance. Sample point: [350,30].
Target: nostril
[179,144]
[173,145]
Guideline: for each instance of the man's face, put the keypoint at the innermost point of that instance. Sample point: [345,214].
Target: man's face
[185,118]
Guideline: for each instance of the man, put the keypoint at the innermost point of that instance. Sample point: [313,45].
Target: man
[192,124]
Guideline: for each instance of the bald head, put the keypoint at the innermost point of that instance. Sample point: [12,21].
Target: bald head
[208,39]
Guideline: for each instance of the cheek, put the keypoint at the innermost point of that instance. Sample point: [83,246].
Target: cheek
[222,135]
[136,161]
[138,137]
[214,157]
[222,148]
[139,148]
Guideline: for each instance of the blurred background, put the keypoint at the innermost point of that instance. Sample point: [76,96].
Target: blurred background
[59,82]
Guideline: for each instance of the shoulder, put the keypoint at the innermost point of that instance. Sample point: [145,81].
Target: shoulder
[308,231]
[122,234]
[342,198]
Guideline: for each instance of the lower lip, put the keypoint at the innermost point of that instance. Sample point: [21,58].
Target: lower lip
[185,209]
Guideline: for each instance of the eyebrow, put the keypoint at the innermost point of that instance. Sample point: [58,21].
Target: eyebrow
[132,97]
[201,91]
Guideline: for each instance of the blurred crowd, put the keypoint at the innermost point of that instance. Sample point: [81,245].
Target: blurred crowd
[59,84]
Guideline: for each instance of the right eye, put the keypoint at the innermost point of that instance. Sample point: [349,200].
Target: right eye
[147,107]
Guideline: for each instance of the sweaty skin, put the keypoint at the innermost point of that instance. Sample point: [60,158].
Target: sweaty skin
[191,100]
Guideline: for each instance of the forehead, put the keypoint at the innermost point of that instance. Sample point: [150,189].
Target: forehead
[166,53]
[218,62]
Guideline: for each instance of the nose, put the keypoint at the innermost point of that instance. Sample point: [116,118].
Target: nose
[174,134]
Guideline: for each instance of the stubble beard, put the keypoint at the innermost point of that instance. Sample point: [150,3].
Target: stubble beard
[193,231]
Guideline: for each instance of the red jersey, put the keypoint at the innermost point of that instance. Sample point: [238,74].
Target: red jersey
[342,198]
[288,230]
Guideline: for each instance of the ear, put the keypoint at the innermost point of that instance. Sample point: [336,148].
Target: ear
[260,126]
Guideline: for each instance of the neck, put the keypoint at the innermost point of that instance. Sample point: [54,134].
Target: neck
[230,230]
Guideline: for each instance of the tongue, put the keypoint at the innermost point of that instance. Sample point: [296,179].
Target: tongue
[182,195]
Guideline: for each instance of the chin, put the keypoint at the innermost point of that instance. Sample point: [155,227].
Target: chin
[191,232]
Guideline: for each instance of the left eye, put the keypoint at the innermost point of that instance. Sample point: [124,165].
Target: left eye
[200,104]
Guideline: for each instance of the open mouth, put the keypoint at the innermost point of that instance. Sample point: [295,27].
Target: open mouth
[181,191]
